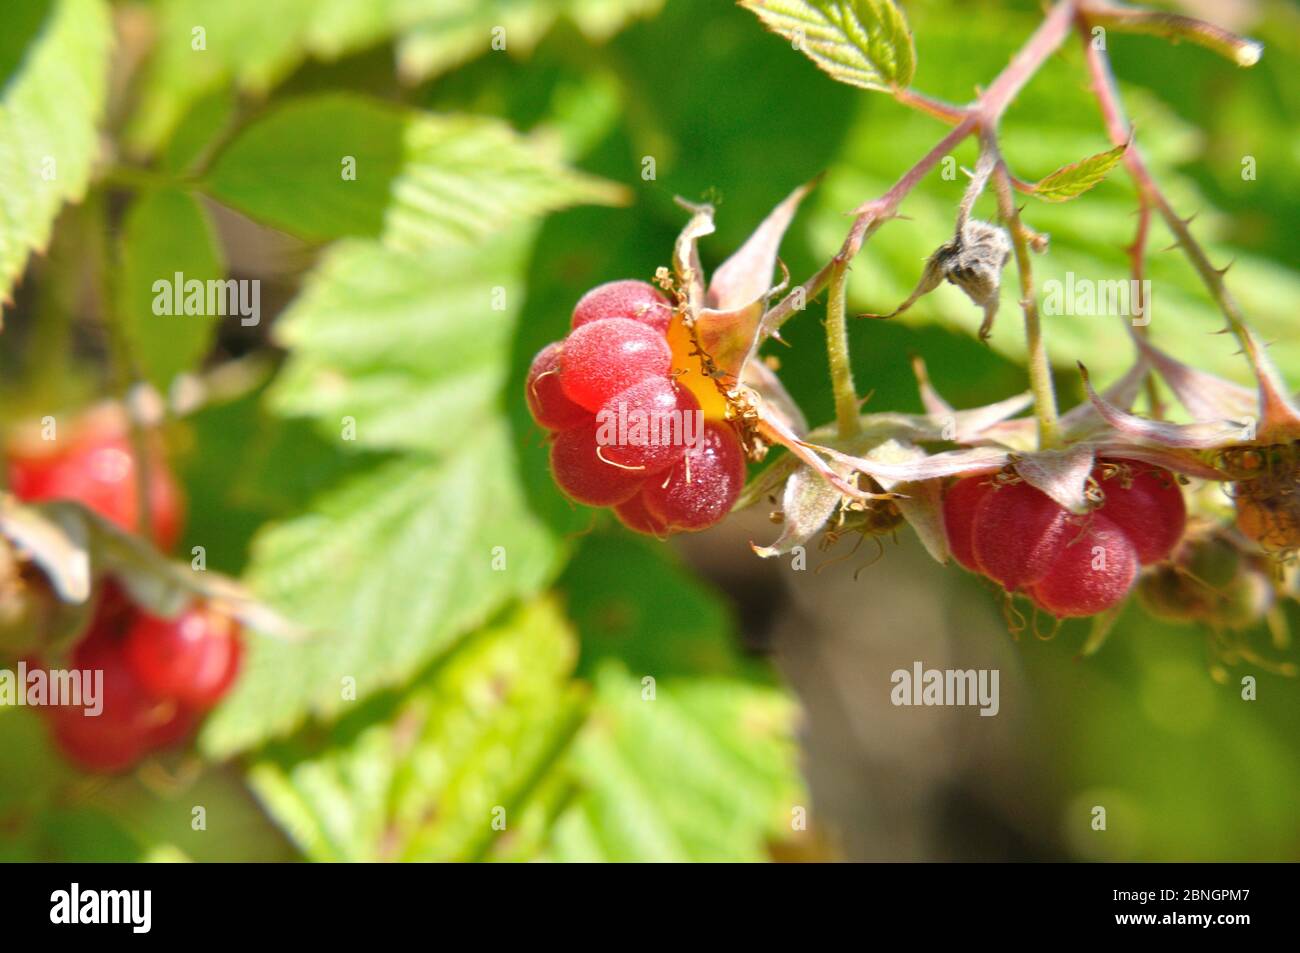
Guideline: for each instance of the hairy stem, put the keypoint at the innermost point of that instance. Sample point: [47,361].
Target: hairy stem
[1040,368]
[837,351]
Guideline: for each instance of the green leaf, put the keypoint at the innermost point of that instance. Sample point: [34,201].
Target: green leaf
[413,348]
[703,771]
[361,167]
[388,570]
[864,43]
[48,113]
[1078,177]
[167,233]
[202,46]
[450,768]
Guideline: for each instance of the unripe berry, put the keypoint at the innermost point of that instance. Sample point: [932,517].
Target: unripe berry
[646,426]
[1018,532]
[580,472]
[631,299]
[193,658]
[959,507]
[700,489]
[1149,509]
[605,357]
[1093,572]
[545,396]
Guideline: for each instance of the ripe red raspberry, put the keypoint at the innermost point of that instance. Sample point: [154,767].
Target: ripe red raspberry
[959,516]
[580,472]
[1018,532]
[700,489]
[1146,503]
[97,468]
[637,518]
[193,658]
[605,357]
[131,723]
[1092,572]
[646,426]
[631,299]
[545,396]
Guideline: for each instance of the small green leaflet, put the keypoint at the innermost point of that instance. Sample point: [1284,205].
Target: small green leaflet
[1078,177]
[361,167]
[49,109]
[864,43]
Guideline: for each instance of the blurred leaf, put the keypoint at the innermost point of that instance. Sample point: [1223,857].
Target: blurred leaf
[411,347]
[455,761]
[362,167]
[633,600]
[863,43]
[1077,177]
[167,233]
[254,43]
[48,141]
[387,570]
[704,771]
[201,127]
[438,35]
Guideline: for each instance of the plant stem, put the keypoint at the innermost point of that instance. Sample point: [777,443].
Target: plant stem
[1040,368]
[837,350]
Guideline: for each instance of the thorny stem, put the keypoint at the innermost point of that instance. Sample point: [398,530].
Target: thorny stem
[982,115]
[1173,26]
[1117,127]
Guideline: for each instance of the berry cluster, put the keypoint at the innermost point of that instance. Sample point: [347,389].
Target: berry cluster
[625,432]
[159,675]
[1068,565]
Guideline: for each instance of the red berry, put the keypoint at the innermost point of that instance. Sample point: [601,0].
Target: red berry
[1092,573]
[959,506]
[581,473]
[98,469]
[193,658]
[1150,510]
[546,398]
[634,300]
[647,426]
[1018,532]
[636,517]
[131,720]
[602,358]
[700,489]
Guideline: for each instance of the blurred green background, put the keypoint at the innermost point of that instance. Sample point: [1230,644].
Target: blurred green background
[524,689]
